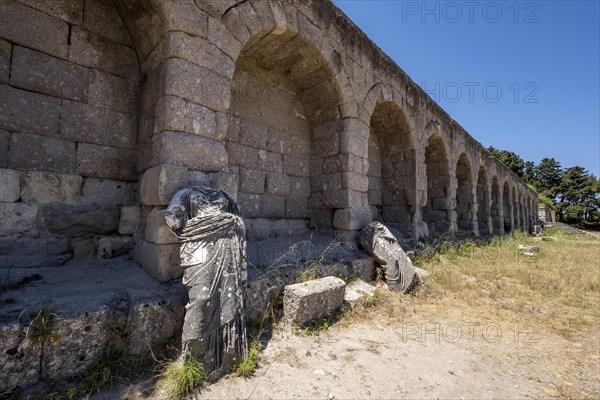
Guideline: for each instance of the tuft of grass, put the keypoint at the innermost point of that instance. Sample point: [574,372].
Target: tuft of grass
[103,372]
[247,365]
[41,324]
[181,378]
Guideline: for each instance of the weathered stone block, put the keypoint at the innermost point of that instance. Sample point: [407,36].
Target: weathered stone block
[91,50]
[85,247]
[26,252]
[112,92]
[364,268]
[129,220]
[272,206]
[5,56]
[44,187]
[67,10]
[34,29]
[309,300]
[159,184]
[193,151]
[278,184]
[79,220]
[162,261]
[114,246]
[296,165]
[296,207]
[249,204]
[258,229]
[16,218]
[180,115]
[41,73]
[352,219]
[220,36]
[443,204]
[103,19]
[106,162]
[10,185]
[242,156]
[199,51]
[228,180]
[28,112]
[33,152]
[184,15]
[89,124]
[156,230]
[197,84]
[106,192]
[354,181]
[252,181]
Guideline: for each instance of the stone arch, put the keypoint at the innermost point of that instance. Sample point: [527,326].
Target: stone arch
[283,134]
[438,205]
[464,195]
[496,208]
[392,168]
[483,203]
[507,208]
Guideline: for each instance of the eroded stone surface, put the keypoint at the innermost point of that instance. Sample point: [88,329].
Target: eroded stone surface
[305,301]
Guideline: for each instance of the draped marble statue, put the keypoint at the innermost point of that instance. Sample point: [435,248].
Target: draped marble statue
[213,251]
[380,243]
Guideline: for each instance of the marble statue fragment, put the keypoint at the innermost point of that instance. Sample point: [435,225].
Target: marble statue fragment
[213,254]
[380,243]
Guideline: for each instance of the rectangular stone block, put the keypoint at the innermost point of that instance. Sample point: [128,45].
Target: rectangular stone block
[220,36]
[354,181]
[26,252]
[10,185]
[28,112]
[112,92]
[129,220]
[272,206]
[258,229]
[199,51]
[93,51]
[162,261]
[79,220]
[249,204]
[186,16]
[33,152]
[70,11]
[352,219]
[197,84]
[195,152]
[5,56]
[106,162]
[296,207]
[45,187]
[252,181]
[321,218]
[253,134]
[305,301]
[85,123]
[227,180]
[104,20]
[296,165]
[159,184]
[278,184]
[28,27]
[157,231]
[107,192]
[242,156]
[41,73]
[177,114]
[17,218]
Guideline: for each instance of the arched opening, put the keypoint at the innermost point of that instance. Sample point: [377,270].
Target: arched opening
[496,210]
[516,210]
[507,208]
[438,205]
[392,172]
[282,126]
[464,195]
[483,202]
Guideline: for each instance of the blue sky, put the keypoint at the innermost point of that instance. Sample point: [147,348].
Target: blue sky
[520,76]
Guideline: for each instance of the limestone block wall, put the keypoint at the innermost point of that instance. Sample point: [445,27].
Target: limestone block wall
[69,88]
[286,104]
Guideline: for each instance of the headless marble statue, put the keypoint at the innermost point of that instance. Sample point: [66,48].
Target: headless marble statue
[380,243]
[213,251]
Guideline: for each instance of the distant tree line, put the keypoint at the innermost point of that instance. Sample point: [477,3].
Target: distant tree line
[574,193]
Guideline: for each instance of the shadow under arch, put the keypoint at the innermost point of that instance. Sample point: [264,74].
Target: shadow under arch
[438,205]
[484,223]
[392,168]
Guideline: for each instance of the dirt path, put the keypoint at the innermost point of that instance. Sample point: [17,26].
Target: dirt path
[375,361]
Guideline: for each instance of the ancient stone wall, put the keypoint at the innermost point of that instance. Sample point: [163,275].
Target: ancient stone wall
[286,104]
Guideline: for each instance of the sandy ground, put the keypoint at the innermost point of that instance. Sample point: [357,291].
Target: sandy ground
[374,361]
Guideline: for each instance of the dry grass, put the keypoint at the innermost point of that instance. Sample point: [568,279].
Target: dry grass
[544,311]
